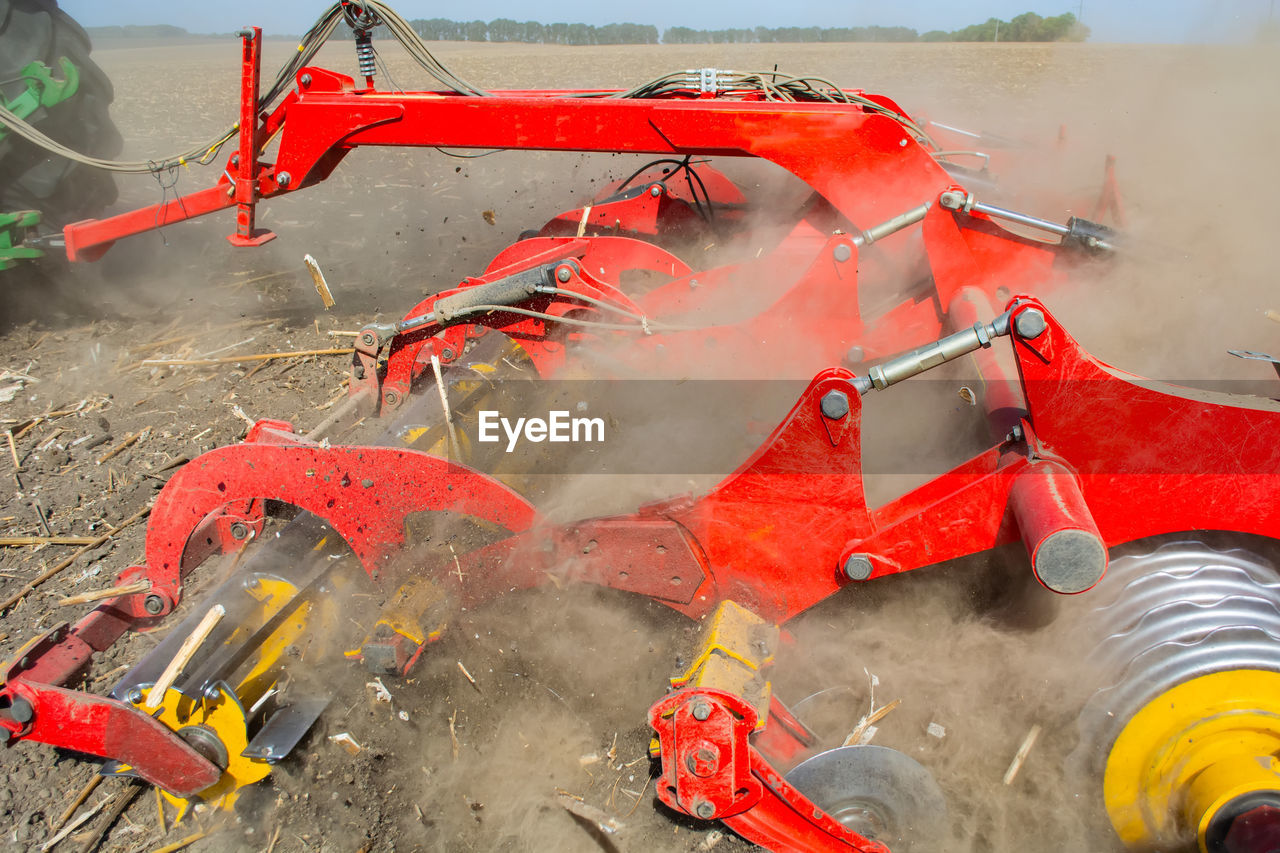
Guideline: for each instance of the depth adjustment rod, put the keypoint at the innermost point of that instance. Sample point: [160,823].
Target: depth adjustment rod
[941,351]
[449,310]
[862,239]
[1077,231]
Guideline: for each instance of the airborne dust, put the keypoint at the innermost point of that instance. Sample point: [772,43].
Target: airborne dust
[563,677]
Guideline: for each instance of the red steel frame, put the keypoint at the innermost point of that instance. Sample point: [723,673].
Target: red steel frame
[834,148]
[813,319]
[865,168]
[773,536]
[776,535]
[837,149]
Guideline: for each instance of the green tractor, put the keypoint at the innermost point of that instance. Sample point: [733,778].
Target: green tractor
[48,81]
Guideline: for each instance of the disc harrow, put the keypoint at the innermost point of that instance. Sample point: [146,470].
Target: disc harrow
[893,267]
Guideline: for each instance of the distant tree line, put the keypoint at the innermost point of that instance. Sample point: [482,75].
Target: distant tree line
[764,35]
[507,30]
[1025,27]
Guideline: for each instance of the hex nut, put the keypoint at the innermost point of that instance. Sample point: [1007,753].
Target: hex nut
[1030,323]
[858,567]
[835,405]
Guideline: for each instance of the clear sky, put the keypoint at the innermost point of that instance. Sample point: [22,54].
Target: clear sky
[1110,20]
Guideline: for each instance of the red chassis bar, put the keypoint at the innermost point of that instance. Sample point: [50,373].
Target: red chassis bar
[837,149]
[786,530]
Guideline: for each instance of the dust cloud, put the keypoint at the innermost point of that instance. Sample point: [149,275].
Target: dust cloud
[562,678]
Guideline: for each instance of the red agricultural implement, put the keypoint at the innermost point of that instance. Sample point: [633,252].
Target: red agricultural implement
[891,269]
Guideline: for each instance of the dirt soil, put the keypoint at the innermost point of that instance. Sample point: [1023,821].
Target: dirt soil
[101,417]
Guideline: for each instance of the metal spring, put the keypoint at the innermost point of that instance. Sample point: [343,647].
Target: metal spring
[365,55]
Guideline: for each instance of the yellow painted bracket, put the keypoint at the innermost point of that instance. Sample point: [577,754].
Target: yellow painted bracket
[736,647]
[404,615]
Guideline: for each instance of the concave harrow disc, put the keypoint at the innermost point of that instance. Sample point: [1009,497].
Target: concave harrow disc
[878,792]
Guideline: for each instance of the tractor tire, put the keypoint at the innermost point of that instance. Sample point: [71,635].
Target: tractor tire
[30,178]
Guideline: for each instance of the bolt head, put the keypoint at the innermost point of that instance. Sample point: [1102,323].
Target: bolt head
[855,355]
[134,696]
[858,567]
[153,604]
[391,398]
[835,405]
[21,711]
[842,253]
[446,354]
[239,530]
[701,711]
[655,190]
[704,810]
[284,179]
[368,339]
[703,761]
[305,79]
[563,274]
[1030,324]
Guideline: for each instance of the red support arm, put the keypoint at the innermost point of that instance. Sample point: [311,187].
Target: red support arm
[838,149]
[246,180]
[96,725]
[712,771]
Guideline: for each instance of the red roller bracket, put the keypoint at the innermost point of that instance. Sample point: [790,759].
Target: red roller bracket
[1066,550]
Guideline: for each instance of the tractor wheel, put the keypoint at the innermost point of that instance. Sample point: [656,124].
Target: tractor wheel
[30,178]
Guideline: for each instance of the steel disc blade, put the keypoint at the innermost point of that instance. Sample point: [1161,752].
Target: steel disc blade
[877,792]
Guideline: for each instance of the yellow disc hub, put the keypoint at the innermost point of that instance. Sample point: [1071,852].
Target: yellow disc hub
[217,726]
[1189,752]
[220,720]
